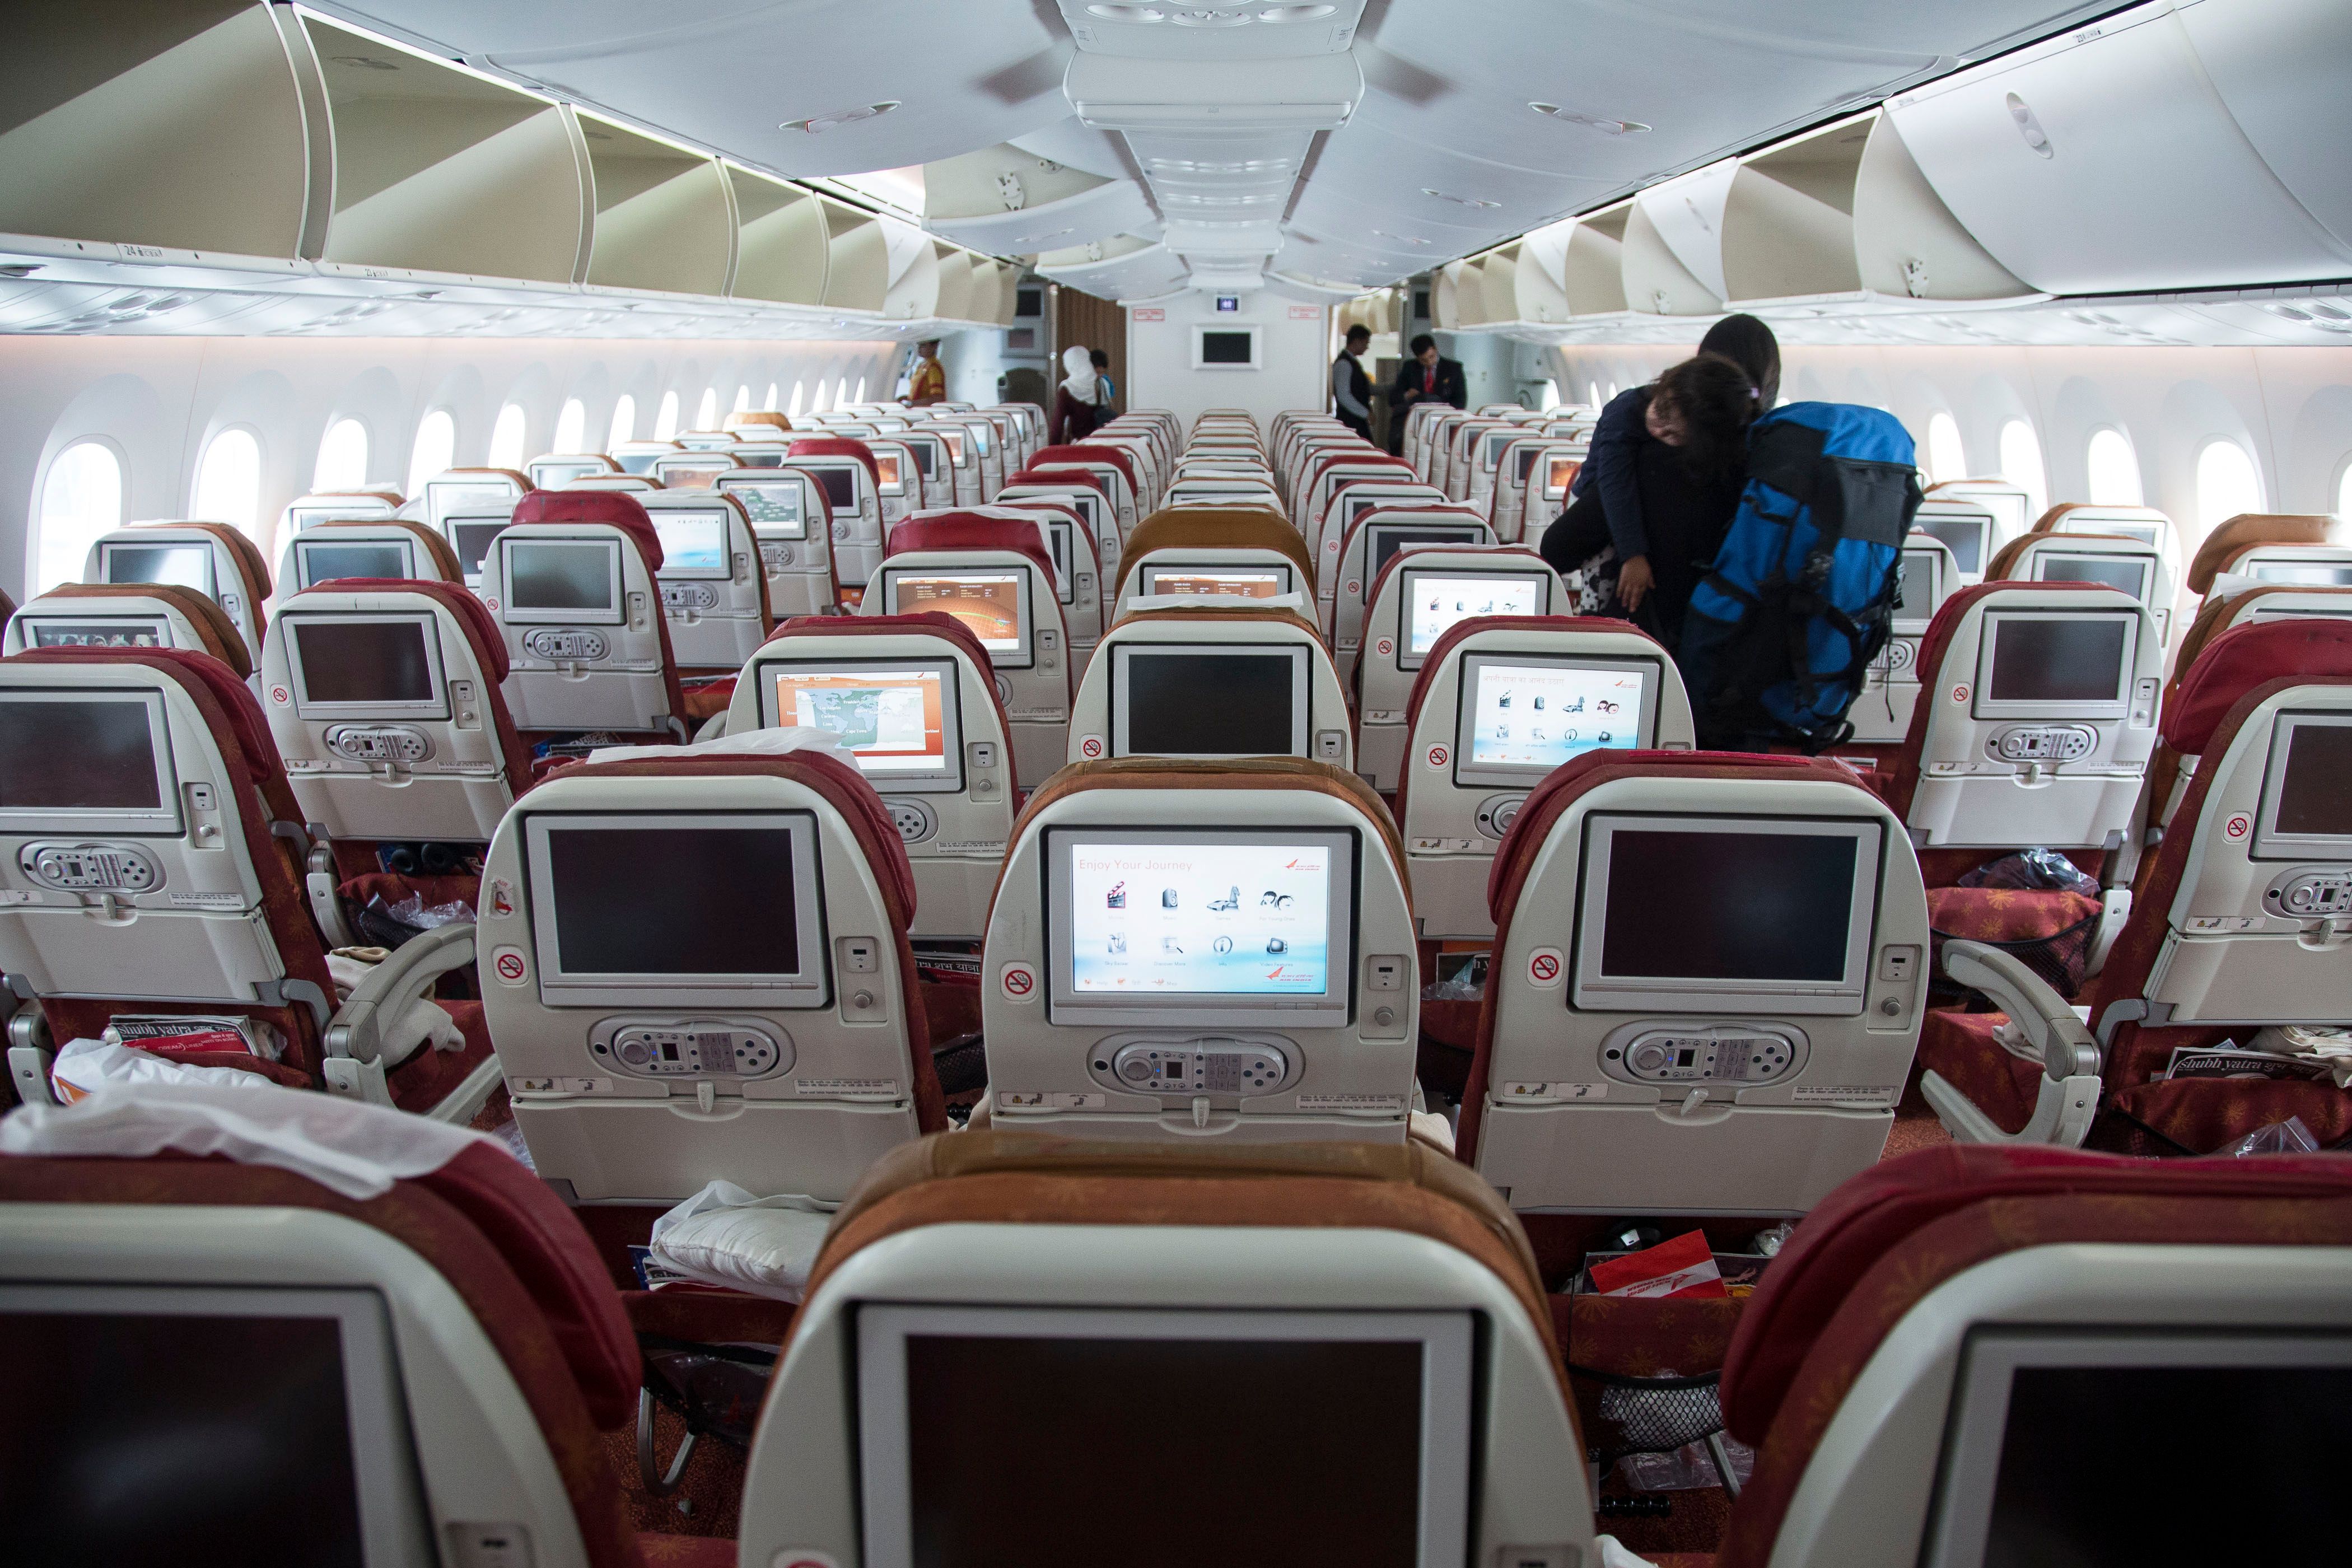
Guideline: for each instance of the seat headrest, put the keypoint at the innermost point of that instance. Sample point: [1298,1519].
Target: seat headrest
[480,626]
[1181,612]
[214,629]
[2244,658]
[1580,775]
[835,778]
[836,447]
[1061,478]
[930,623]
[618,508]
[970,531]
[2253,528]
[1217,528]
[200,672]
[2006,559]
[1087,452]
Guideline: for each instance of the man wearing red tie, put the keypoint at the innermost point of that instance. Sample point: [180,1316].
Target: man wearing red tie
[1427,377]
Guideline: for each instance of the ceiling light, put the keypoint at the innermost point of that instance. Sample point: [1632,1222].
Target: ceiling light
[1199,18]
[1602,123]
[1128,13]
[1406,239]
[1294,13]
[1458,201]
[817,124]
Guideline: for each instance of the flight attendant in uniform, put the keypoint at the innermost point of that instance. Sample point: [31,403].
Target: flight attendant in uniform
[929,384]
[1351,389]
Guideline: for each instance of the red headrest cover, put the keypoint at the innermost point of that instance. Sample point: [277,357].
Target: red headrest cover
[1065,478]
[966,531]
[2244,658]
[836,447]
[619,508]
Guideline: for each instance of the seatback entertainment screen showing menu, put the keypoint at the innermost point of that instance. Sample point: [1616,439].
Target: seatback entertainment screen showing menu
[1232,919]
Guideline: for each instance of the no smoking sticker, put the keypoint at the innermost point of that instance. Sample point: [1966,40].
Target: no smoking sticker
[1438,756]
[1544,966]
[2238,826]
[1960,693]
[281,696]
[1019,981]
[1384,647]
[1090,747]
[508,962]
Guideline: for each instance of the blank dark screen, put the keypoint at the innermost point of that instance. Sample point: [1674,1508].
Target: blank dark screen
[560,576]
[1918,600]
[2091,1455]
[1232,705]
[1028,1451]
[1963,536]
[1225,348]
[2073,658]
[325,562]
[2315,796]
[840,486]
[472,542]
[77,756]
[364,661]
[188,1440]
[2109,571]
[1387,540]
[689,900]
[1745,906]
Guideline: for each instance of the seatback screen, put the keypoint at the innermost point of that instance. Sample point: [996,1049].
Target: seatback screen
[840,487]
[41,631]
[988,603]
[1963,534]
[2057,659]
[1387,539]
[471,540]
[172,1437]
[1434,604]
[2123,572]
[1727,906]
[774,504]
[69,755]
[1250,919]
[1209,704]
[367,662]
[171,565]
[2314,798]
[323,563]
[1917,600]
[892,720]
[674,901]
[694,544]
[1536,716]
[927,457]
[1523,463]
[1182,583]
[1248,1423]
[1563,474]
[2316,575]
[891,483]
[676,476]
[551,574]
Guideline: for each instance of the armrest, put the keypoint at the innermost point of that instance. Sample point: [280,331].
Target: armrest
[395,985]
[2031,1003]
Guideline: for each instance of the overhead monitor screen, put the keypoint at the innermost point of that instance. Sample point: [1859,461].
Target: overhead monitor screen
[1228,348]
[1563,475]
[2316,575]
[889,483]
[694,544]
[78,755]
[892,720]
[323,562]
[1964,534]
[990,602]
[373,663]
[471,540]
[172,565]
[1199,583]
[1434,603]
[2315,789]
[1388,538]
[2058,659]
[2125,572]
[675,900]
[1251,919]
[774,504]
[41,631]
[1747,906]
[561,575]
[1204,703]
[840,486]
[1533,717]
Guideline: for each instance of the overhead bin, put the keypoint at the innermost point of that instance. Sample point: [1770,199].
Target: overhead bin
[858,260]
[781,249]
[665,217]
[1124,267]
[1671,255]
[1843,213]
[1002,198]
[194,127]
[2106,161]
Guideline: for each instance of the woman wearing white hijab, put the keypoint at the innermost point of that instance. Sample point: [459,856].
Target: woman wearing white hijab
[1076,412]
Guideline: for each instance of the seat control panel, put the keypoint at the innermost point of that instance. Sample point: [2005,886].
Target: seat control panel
[2311,893]
[570,642]
[691,1047]
[1739,1054]
[2044,743]
[379,743]
[1498,812]
[92,867]
[689,596]
[1222,1066]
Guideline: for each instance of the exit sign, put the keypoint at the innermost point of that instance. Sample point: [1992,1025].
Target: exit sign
[1151,313]
[1307,313]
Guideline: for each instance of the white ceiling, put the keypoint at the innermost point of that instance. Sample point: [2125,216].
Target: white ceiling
[1442,107]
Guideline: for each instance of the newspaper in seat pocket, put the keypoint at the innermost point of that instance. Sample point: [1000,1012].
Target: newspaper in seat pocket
[1684,1266]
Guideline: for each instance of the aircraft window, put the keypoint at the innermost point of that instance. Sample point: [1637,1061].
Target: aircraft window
[861,389]
[506,437]
[770,406]
[1592,393]
[742,399]
[228,480]
[572,425]
[2021,465]
[841,392]
[435,450]
[2115,469]
[80,499]
[794,412]
[665,422]
[2343,490]
[1946,458]
[343,458]
[625,422]
[1550,395]
[2227,483]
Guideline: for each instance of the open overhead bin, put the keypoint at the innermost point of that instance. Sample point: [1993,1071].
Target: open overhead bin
[1671,259]
[665,217]
[858,260]
[1002,198]
[782,247]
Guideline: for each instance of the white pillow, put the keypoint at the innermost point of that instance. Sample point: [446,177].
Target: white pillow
[724,1235]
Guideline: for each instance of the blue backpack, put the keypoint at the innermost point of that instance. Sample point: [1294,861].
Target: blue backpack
[1782,630]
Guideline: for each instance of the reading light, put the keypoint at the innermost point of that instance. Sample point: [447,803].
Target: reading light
[1458,201]
[1294,13]
[1602,123]
[817,124]
[1128,13]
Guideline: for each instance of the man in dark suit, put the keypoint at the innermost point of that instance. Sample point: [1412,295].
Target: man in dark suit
[1427,377]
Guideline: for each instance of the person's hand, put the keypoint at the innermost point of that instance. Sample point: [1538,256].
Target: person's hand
[1635,580]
